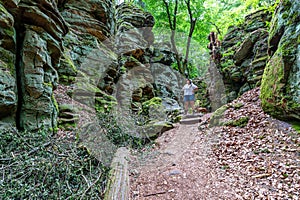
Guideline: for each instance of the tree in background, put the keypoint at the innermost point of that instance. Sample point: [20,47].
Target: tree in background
[171,8]
[194,12]
[191,20]
[180,16]
[224,13]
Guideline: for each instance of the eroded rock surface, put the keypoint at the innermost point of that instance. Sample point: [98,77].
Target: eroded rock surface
[244,54]
[8,89]
[280,90]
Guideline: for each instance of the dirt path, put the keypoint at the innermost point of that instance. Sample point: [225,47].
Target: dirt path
[257,160]
[178,168]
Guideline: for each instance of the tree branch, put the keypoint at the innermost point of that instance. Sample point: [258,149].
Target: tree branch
[218,29]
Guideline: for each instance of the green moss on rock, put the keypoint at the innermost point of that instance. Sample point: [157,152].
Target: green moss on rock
[241,122]
[272,85]
[217,115]
[238,105]
[154,101]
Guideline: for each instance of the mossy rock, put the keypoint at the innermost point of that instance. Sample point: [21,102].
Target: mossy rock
[216,117]
[237,106]
[276,95]
[153,129]
[67,72]
[67,108]
[241,122]
[104,105]
[177,119]
[68,126]
[153,109]
[280,87]
[154,101]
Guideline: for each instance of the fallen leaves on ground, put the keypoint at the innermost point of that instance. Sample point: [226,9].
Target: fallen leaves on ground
[260,160]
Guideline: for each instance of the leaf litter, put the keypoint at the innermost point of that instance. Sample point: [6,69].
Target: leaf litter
[259,160]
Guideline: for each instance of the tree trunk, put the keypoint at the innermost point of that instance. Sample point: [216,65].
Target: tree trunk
[172,24]
[192,28]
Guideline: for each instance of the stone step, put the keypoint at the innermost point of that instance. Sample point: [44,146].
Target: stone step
[188,116]
[193,120]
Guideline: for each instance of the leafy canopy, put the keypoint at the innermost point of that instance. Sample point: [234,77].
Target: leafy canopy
[211,15]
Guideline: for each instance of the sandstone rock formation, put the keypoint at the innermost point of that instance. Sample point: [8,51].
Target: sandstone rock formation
[8,89]
[32,45]
[244,54]
[254,54]
[280,89]
[102,51]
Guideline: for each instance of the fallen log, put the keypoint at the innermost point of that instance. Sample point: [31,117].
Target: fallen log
[118,183]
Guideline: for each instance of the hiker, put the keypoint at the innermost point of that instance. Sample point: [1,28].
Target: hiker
[189,95]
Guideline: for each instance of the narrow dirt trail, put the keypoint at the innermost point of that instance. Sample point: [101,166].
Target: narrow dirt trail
[178,168]
[257,160]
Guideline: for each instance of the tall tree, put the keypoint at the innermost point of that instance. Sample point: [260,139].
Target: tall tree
[185,9]
[193,21]
[172,19]
[196,19]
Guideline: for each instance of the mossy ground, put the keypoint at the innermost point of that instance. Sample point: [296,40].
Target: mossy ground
[296,126]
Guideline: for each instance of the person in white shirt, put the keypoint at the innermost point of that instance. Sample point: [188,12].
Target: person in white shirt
[189,95]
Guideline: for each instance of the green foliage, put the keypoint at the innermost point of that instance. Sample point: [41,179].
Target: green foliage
[153,101]
[35,166]
[162,30]
[296,126]
[211,15]
[224,13]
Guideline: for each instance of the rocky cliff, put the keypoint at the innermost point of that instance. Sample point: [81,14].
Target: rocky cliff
[280,90]
[244,54]
[101,50]
[264,50]
[31,47]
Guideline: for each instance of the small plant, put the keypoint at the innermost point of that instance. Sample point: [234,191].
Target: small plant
[296,126]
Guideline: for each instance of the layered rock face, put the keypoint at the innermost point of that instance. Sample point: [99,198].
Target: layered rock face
[101,50]
[254,55]
[32,45]
[8,89]
[244,54]
[143,75]
[280,89]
